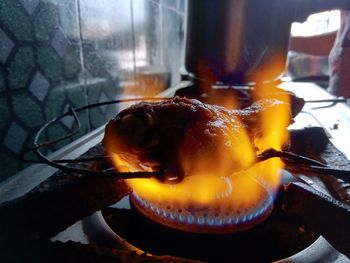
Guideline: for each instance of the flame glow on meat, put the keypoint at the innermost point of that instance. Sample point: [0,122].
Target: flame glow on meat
[210,150]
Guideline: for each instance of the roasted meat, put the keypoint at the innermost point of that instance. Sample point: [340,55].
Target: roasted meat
[185,136]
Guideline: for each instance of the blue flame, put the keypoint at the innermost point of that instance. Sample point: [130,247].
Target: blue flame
[207,218]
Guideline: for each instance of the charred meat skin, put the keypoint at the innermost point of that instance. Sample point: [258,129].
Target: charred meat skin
[180,133]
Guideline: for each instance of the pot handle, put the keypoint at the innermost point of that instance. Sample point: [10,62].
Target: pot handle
[304,8]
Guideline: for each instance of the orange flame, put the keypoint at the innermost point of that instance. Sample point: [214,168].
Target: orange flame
[239,189]
[273,121]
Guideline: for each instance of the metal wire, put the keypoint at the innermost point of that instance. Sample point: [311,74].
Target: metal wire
[305,165]
[331,102]
[73,112]
[296,161]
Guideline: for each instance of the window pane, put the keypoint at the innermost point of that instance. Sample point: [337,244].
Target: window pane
[317,24]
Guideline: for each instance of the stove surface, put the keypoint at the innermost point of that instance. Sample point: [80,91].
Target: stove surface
[334,118]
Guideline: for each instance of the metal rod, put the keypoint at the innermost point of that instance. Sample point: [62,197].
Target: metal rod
[302,164]
[294,161]
[328,100]
[288,157]
[73,112]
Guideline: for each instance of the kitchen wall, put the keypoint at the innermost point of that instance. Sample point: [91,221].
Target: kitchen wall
[60,53]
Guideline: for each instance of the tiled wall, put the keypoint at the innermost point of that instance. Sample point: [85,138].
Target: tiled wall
[60,53]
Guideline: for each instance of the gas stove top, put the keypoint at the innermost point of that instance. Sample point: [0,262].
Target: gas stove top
[104,241]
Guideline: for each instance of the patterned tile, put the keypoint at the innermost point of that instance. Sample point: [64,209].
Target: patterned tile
[58,101]
[68,18]
[16,19]
[9,164]
[39,86]
[45,21]
[2,80]
[56,131]
[99,91]
[29,144]
[103,97]
[55,101]
[6,46]
[30,5]
[67,121]
[50,63]
[94,63]
[27,110]
[72,62]
[112,89]
[60,42]
[5,115]
[76,94]
[97,118]
[15,138]
[21,67]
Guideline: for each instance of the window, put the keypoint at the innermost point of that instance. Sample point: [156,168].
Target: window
[317,24]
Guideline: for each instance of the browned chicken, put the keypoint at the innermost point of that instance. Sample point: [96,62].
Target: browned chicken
[185,136]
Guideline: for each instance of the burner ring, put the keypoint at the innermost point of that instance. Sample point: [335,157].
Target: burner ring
[209,219]
[100,232]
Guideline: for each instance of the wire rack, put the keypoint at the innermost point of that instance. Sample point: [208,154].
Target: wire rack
[294,161]
[61,164]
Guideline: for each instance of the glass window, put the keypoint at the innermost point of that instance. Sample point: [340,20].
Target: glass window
[317,24]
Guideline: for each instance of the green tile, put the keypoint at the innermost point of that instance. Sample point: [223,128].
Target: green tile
[109,87]
[93,91]
[31,155]
[50,63]
[112,89]
[16,19]
[45,21]
[58,98]
[71,63]
[9,165]
[21,67]
[5,114]
[76,97]
[55,101]
[111,112]
[84,122]
[56,131]
[2,81]
[76,94]
[27,110]
[97,118]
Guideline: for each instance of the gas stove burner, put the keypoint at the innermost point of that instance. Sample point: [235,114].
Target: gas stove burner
[299,216]
[206,232]
[227,214]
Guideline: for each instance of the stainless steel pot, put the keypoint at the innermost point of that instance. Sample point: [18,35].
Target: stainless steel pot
[240,41]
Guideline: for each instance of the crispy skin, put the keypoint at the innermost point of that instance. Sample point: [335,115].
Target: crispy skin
[185,136]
